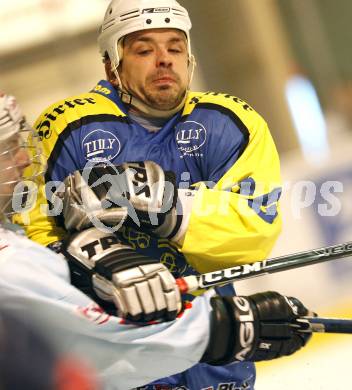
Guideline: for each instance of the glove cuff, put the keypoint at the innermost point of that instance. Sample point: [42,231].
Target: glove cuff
[234,331]
[120,260]
[221,340]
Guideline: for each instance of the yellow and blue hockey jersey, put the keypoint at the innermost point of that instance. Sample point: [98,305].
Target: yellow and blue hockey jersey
[218,144]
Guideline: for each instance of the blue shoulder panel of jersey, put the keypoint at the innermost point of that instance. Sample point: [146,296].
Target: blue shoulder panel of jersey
[216,140]
[106,89]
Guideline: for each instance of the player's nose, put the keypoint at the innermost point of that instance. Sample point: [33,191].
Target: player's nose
[163,58]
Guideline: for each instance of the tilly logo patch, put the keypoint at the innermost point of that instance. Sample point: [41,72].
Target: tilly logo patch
[101,145]
[191,137]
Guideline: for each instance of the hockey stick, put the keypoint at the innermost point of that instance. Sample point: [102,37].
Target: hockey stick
[269,266]
[325,325]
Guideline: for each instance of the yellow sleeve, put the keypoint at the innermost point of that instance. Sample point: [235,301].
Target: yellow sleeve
[37,224]
[238,220]
[52,126]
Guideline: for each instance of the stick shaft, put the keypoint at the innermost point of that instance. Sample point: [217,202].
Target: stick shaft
[330,325]
[269,266]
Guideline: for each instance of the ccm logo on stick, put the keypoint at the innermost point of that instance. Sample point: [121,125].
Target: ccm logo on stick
[212,278]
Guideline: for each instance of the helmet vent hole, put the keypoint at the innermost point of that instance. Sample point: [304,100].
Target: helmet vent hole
[110,12]
[167,20]
[149,21]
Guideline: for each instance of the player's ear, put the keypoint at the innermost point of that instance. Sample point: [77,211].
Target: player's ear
[110,75]
[108,71]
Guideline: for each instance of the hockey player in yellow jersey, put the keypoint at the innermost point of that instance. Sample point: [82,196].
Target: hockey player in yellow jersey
[214,147]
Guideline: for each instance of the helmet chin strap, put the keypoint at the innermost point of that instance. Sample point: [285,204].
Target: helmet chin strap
[132,101]
[147,110]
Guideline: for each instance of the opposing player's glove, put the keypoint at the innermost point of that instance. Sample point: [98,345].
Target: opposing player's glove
[141,288]
[137,194]
[258,327]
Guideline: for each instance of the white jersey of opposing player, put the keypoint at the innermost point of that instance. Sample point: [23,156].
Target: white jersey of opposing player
[34,283]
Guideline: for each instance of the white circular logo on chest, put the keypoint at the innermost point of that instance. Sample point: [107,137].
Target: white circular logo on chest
[100,145]
[191,136]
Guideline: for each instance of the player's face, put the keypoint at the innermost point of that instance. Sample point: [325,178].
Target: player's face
[154,67]
[13,160]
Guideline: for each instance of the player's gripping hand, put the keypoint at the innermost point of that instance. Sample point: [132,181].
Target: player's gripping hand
[138,194]
[258,327]
[142,289]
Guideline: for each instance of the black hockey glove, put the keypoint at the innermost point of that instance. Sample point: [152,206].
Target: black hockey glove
[138,194]
[117,277]
[258,327]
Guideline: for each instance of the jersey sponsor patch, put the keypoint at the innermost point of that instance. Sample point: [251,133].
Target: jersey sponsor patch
[44,126]
[94,313]
[100,145]
[190,137]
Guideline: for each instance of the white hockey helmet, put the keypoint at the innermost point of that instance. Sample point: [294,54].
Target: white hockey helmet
[13,131]
[127,16]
